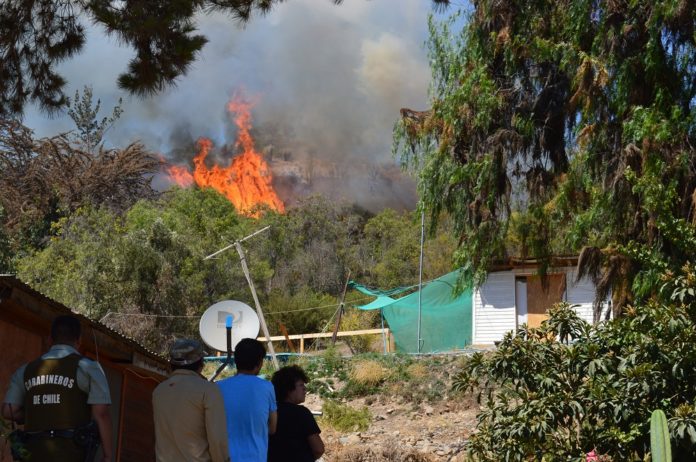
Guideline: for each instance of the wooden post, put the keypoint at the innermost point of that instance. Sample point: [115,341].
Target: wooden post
[340,311]
[284,331]
[264,327]
[302,344]
[392,343]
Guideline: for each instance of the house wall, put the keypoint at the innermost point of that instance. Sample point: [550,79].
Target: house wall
[24,325]
[494,302]
[494,308]
[580,293]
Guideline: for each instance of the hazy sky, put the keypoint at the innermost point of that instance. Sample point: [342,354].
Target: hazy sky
[332,76]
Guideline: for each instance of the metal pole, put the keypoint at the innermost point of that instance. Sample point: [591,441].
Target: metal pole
[420,279]
[264,328]
[235,243]
[340,310]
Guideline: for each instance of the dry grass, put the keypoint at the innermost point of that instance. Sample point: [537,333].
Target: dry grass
[389,453]
[368,372]
[417,371]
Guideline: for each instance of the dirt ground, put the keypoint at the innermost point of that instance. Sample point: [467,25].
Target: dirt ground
[437,431]
[404,430]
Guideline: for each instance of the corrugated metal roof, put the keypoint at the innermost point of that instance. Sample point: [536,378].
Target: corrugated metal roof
[14,283]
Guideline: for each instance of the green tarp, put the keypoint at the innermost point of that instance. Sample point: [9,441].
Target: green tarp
[445,319]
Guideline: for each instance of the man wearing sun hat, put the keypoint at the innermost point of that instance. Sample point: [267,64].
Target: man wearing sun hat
[188,410]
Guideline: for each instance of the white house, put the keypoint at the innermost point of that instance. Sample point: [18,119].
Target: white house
[515,295]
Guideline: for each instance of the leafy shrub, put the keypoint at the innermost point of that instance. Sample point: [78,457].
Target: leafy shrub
[344,418]
[552,400]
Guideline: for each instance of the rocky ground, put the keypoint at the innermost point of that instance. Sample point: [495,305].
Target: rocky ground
[405,427]
[436,431]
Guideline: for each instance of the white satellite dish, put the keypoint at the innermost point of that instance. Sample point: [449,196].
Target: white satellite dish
[245,324]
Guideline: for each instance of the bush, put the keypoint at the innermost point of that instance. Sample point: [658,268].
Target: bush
[344,418]
[388,453]
[552,400]
[354,319]
[365,378]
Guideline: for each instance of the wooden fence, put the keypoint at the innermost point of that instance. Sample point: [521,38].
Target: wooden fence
[348,333]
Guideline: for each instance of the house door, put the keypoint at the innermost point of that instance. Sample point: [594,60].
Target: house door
[521,300]
[540,298]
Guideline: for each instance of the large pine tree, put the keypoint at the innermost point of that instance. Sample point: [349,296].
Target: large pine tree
[568,126]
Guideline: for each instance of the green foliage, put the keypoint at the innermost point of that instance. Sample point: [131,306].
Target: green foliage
[300,312]
[90,130]
[354,319]
[143,271]
[595,388]
[37,37]
[562,126]
[660,448]
[149,262]
[344,418]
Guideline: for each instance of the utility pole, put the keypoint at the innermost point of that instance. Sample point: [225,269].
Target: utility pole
[420,281]
[340,311]
[245,268]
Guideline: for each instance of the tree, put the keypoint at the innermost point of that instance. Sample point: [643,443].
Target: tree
[558,400]
[315,234]
[36,36]
[574,121]
[90,130]
[143,270]
[44,180]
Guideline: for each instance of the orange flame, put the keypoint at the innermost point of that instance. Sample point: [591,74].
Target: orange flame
[247,181]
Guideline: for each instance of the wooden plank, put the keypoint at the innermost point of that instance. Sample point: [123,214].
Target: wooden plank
[284,331]
[348,333]
[540,298]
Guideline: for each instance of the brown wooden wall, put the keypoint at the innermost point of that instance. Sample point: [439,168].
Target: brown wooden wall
[540,297]
[137,432]
[18,346]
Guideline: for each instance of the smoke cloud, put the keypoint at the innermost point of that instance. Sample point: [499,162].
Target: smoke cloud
[328,82]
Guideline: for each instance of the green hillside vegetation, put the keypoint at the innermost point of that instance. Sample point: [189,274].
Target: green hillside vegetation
[570,127]
[149,260]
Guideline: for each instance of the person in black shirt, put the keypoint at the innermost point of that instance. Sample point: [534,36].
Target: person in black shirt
[297,433]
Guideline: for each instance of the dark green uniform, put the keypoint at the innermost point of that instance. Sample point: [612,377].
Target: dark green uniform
[54,402]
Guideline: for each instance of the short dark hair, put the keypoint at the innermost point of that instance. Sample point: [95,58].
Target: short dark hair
[65,329]
[248,354]
[285,379]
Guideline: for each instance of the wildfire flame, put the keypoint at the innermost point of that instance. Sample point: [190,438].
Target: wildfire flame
[247,181]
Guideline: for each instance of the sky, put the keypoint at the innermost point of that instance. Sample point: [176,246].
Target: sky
[328,77]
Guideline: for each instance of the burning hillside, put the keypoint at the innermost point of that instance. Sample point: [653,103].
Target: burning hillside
[246,181]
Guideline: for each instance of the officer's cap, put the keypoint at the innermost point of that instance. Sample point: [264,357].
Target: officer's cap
[186,351]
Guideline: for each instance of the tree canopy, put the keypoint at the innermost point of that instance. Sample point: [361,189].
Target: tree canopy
[46,179]
[36,36]
[569,124]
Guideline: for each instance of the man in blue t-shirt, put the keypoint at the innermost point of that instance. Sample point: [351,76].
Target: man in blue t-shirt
[250,405]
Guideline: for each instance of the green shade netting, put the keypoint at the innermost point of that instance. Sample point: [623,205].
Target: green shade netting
[445,318]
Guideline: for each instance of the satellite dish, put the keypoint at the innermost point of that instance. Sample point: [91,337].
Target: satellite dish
[245,324]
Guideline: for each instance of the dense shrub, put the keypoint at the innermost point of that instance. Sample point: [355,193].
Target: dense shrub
[558,400]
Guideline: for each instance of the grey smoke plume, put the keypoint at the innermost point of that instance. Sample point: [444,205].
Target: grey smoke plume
[328,80]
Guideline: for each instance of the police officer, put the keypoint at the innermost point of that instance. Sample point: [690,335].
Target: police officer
[188,410]
[59,398]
